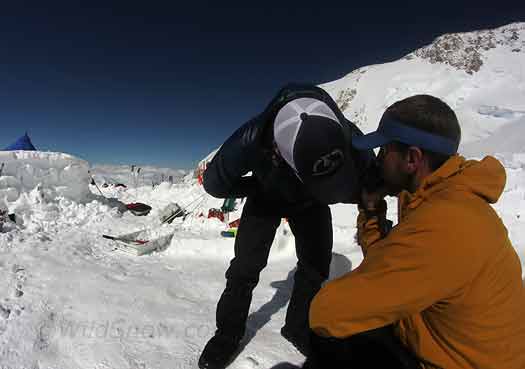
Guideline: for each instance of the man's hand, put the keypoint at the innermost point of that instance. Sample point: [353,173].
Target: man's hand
[371,201]
[373,205]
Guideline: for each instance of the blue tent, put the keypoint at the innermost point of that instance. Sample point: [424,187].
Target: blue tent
[23,143]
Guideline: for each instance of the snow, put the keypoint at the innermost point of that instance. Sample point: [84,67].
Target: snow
[125,174]
[70,299]
[58,174]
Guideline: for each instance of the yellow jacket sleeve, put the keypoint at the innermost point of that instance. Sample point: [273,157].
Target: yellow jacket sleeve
[399,276]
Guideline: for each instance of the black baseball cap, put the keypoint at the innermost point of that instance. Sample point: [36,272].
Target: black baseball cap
[313,142]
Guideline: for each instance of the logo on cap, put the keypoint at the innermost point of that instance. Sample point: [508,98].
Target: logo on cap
[328,163]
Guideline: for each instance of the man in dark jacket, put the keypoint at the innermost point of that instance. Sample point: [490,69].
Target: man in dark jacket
[301,160]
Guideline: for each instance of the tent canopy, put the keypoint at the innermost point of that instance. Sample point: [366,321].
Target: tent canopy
[23,143]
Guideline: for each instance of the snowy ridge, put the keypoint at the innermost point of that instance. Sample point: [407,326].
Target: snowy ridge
[484,100]
[465,51]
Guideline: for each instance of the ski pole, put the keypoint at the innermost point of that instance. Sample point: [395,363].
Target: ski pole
[189,209]
[96,185]
[114,238]
[194,207]
[182,209]
[137,175]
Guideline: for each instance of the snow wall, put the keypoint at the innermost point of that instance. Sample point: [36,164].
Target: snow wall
[50,174]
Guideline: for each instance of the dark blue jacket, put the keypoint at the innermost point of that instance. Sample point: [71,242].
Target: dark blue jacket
[250,149]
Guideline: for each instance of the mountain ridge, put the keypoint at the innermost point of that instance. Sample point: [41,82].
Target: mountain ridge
[480,74]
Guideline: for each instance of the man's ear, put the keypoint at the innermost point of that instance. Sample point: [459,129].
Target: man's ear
[414,159]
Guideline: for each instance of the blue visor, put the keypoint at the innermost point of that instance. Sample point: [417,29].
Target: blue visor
[393,130]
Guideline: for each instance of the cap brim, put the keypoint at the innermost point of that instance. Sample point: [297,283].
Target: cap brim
[340,187]
[369,141]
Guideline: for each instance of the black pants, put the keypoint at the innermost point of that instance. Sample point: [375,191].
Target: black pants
[312,228]
[378,348]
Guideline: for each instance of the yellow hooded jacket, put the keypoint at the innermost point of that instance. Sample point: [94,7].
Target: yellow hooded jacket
[446,275]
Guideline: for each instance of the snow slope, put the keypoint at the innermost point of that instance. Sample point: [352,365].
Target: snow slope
[69,299]
[481,75]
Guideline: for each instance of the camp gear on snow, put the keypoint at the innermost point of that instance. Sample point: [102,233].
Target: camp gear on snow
[142,242]
[138,208]
[391,129]
[146,240]
[235,223]
[216,213]
[126,239]
[170,212]
[135,172]
[228,205]
[95,183]
[192,205]
[183,211]
[232,232]
[23,143]
[155,238]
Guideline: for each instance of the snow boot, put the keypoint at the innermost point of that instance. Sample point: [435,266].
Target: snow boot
[300,341]
[219,352]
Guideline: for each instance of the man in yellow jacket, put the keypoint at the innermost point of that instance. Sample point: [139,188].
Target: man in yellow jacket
[446,280]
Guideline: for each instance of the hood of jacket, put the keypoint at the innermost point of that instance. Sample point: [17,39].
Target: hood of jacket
[484,178]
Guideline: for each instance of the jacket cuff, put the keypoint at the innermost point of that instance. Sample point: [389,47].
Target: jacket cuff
[372,225]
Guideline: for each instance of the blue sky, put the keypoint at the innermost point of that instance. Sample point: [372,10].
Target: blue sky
[164,83]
